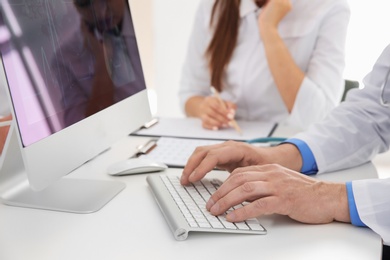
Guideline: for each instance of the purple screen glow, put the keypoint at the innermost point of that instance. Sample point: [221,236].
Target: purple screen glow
[67,60]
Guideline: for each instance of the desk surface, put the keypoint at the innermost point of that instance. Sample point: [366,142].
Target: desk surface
[131,226]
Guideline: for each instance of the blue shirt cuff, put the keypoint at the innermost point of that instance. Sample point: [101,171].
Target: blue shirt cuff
[353,213]
[309,164]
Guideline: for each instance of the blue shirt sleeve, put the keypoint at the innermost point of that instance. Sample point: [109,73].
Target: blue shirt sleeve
[353,213]
[309,164]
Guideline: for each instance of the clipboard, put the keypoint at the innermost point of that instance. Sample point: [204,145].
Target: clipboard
[192,128]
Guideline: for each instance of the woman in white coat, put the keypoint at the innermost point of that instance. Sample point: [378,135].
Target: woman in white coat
[351,135]
[272,60]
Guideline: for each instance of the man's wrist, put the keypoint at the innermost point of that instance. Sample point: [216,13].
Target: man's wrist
[308,161]
[341,212]
[287,155]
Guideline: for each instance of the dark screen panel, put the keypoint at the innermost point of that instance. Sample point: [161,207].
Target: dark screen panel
[67,60]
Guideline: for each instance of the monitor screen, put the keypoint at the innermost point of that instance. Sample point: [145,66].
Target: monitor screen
[75,82]
[67,60]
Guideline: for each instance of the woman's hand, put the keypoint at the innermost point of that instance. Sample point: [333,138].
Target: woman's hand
[287,75]
[213,114]
[273,12]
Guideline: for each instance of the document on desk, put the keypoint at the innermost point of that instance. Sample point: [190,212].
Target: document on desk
[175,152]
[192,128]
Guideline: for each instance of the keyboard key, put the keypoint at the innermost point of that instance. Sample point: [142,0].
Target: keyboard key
[191,200]
[242,225]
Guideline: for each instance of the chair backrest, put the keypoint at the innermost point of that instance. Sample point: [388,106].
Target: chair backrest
[349,84]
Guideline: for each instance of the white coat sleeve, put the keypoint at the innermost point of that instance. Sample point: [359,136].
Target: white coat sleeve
[351,135]
[323,85]
[372,198]
[358,129]
[195,78]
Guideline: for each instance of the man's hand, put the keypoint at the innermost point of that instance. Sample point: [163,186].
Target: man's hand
[273,189]
[231,155]
[227,156]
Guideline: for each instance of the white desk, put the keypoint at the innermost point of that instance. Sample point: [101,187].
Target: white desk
[131,226]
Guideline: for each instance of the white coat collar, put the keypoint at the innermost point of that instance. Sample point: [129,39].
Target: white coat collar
[247,7]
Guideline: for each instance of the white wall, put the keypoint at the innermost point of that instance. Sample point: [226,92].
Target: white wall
[368,35]
[172,23]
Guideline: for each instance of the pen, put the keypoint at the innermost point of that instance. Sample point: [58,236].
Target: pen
[150,123]
[234,123]
[145,148]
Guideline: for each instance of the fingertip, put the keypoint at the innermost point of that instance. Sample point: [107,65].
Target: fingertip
[192,177]
[210,204]
[231,217]
[215,209]
[183,180]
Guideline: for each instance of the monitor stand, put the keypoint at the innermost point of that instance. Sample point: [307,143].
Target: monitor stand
[67,195]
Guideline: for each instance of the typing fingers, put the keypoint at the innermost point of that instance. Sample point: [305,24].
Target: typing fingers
[243,187]
[227,156]
[259,207]
[199,164]
[273,189]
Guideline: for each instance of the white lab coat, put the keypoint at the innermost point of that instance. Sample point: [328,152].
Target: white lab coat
[353,134]
[314,31]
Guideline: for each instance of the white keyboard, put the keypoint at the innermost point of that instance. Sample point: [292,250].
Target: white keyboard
[184,208]
[175,152]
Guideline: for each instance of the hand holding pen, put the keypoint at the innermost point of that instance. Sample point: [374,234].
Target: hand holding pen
[230,115]
[214,112]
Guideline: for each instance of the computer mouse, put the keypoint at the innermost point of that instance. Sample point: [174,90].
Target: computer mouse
[135,166]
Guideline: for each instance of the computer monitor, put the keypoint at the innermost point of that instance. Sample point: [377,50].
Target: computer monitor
[76,86]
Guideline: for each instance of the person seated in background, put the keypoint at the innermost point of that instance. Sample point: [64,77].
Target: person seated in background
[352,134]
[275,60]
